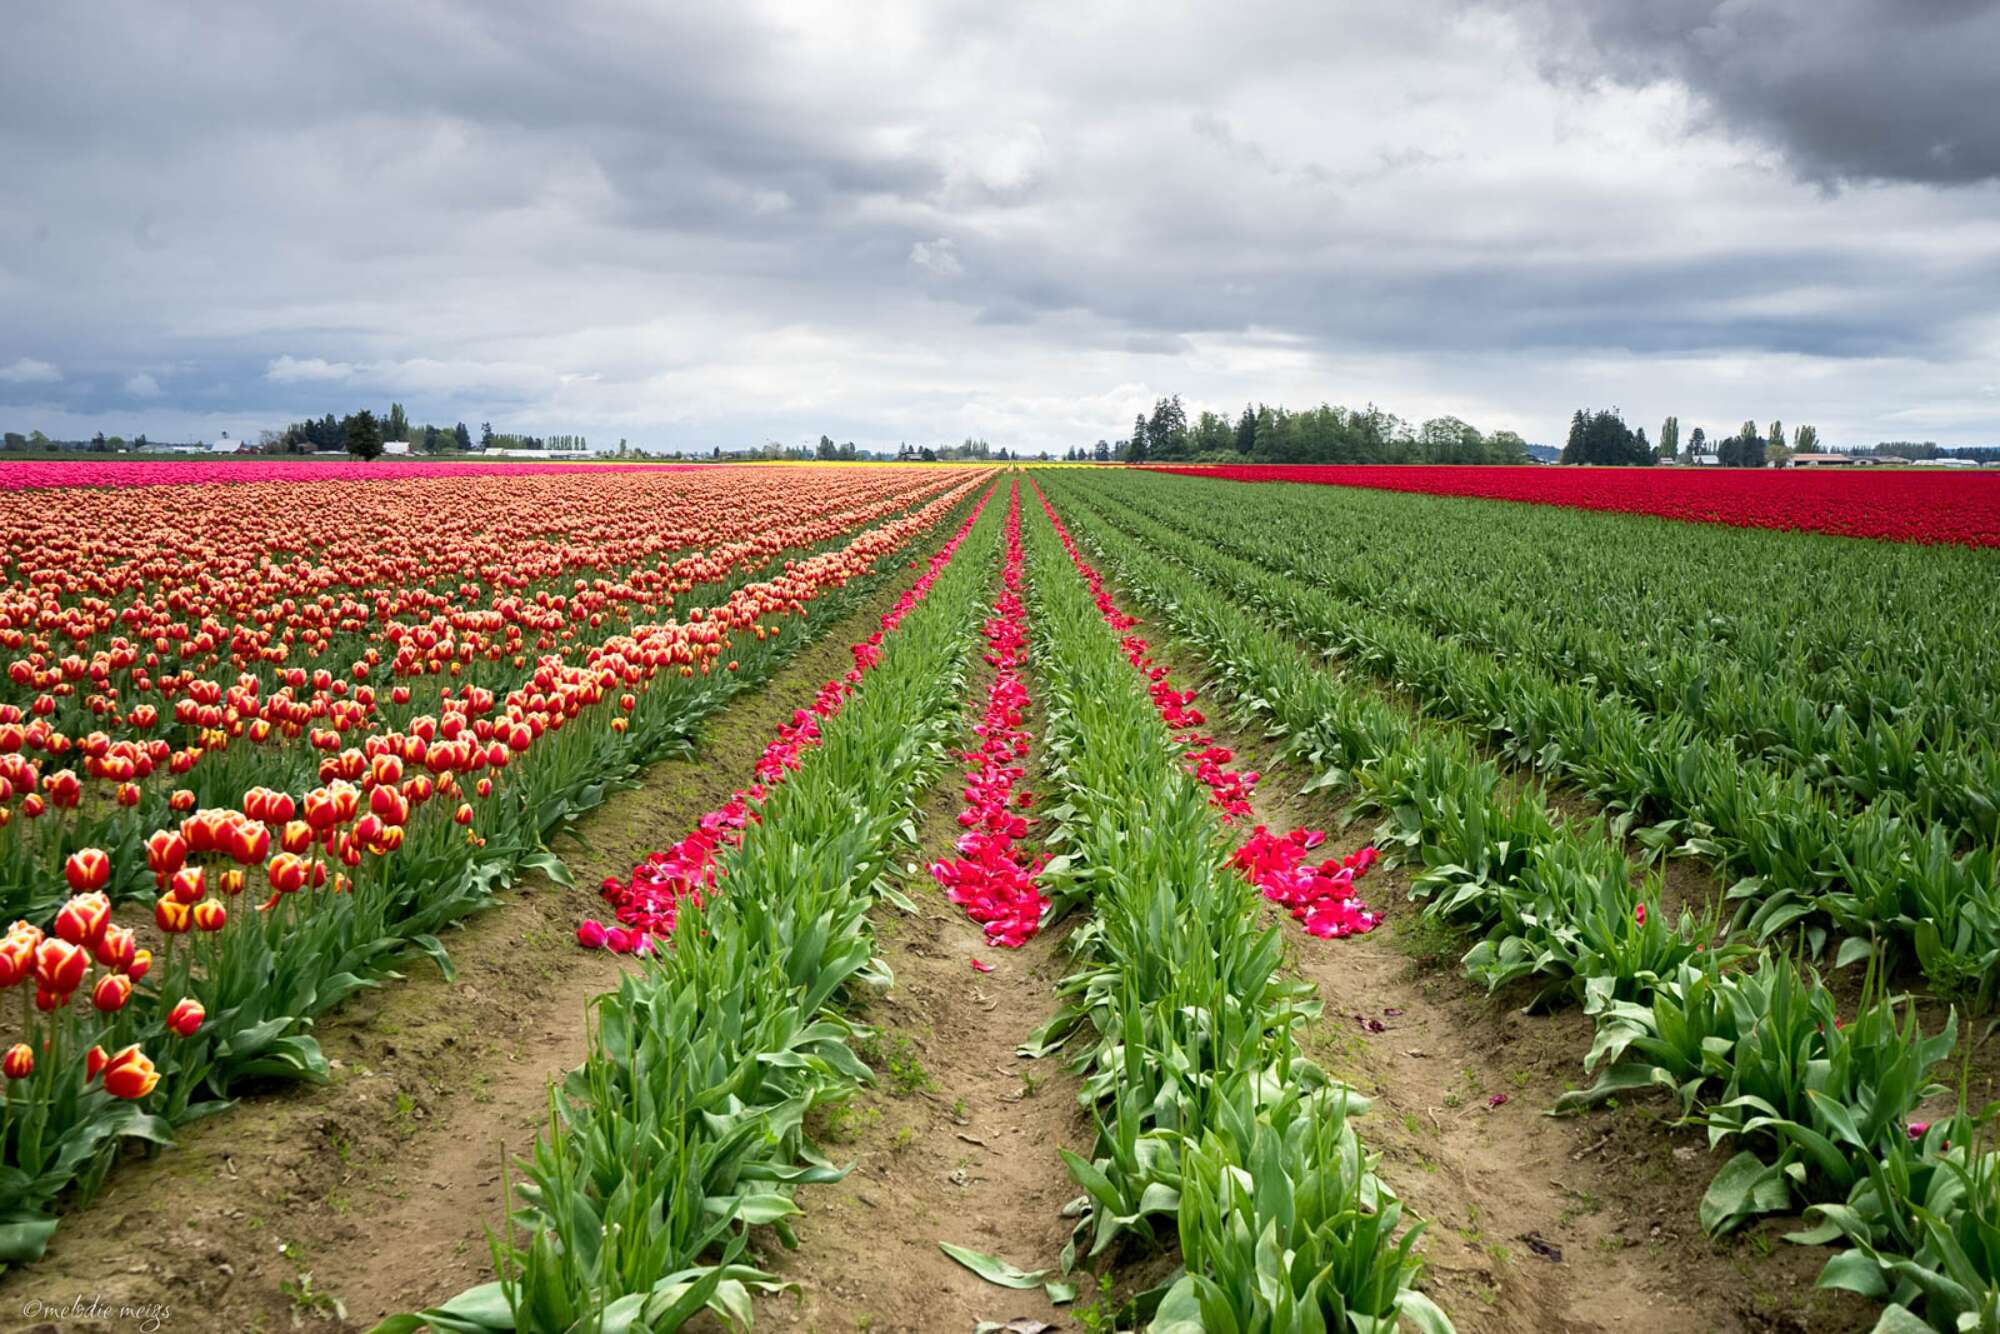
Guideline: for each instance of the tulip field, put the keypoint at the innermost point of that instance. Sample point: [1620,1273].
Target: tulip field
[1174,906]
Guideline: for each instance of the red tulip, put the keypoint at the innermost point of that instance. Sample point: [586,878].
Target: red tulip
[129,1074]
[172,915]
[186,1016]
[82,920]
[287,873]
[19,1062]
[94,1062]
[209,915]
[111,993]
[87,869]
[188,885]
[60,966]
[116,947]
[17,960]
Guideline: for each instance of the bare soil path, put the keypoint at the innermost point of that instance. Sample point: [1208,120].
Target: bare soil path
[957,1141]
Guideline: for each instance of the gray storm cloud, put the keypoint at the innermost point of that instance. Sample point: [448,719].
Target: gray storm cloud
[696,225]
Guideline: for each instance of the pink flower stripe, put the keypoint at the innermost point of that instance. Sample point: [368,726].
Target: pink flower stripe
[205,472]
[646,905]
[992,878]
[1320,895]
[1893,506]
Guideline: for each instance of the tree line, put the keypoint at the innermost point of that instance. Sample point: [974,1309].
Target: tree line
[1263,433]
[365,435]
[1602,439]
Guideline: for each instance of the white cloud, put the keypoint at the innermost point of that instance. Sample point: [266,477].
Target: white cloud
[27,370]
[288,369]
[142,385]
[939,257]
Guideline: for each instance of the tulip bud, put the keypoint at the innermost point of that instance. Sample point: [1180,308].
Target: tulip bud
[209,915]
[298,836]
[185,1018]
[111,993]
[142,964]
[287,873]
[19,1062]
[114,948]
[463,815]
[60,966]
[188,885]
[166,852]
[82,920]
[172,915]
[94,1062]
[87,869]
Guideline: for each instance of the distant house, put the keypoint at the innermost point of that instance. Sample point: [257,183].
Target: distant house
[1824,461]
[1702,460]
[396,447]
[1943,463]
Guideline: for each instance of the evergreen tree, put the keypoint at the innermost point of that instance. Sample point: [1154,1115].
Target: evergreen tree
[398,425]
[1137,453]
[1246,431]
[363,435]
[461,437]
[1806,439]
[1573,449]
[1670,438]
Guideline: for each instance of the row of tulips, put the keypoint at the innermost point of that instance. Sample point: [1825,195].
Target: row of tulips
[1320,895]
[1823,1109]
[1802,858]
[1213,1126]
[991,876]
[1926,507]
[683,1128]
[404,836]
[646,904]
[232,666]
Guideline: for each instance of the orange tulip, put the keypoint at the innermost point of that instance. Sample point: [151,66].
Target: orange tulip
[130,1074]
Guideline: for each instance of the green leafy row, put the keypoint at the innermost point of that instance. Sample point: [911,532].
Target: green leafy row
[1750,1043]
[1802,858]
[1183,1028]
[1863,661]
[683,1128]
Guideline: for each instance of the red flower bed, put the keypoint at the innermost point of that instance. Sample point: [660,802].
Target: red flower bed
[1894,506]
[993,877]
[646,905]
[1321,894]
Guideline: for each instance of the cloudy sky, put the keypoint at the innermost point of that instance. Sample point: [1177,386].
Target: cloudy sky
[719,224]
